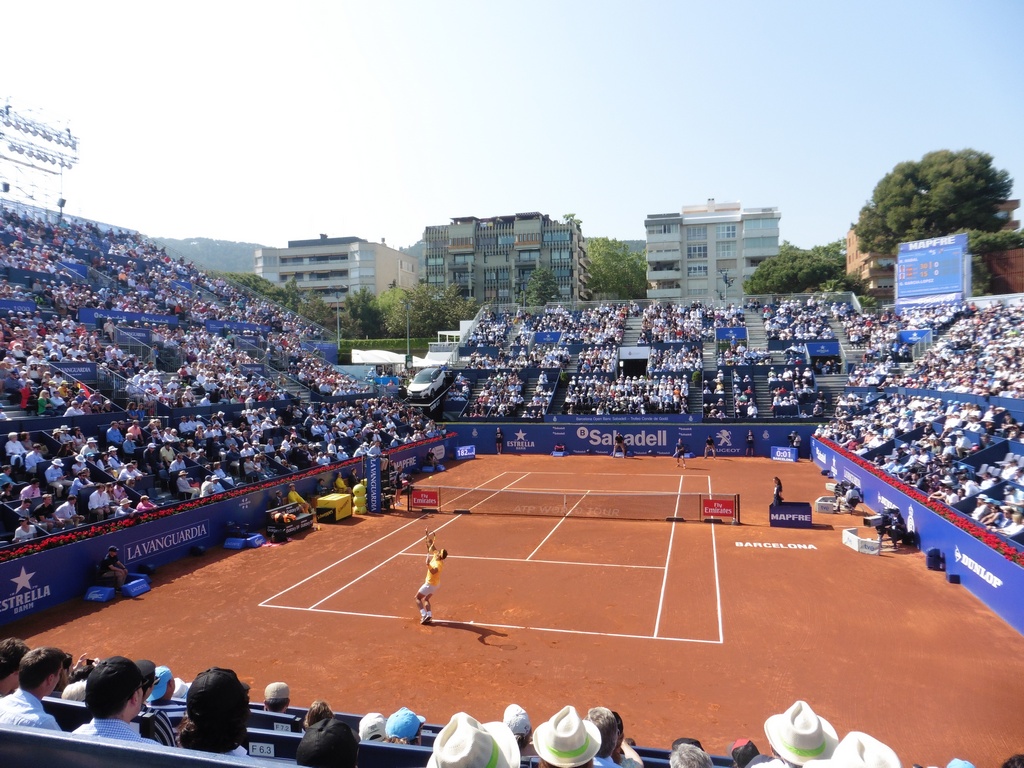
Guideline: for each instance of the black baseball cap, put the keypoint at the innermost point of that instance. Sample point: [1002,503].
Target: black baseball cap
[148,670]
[328,743]
[216,693]
[112,682]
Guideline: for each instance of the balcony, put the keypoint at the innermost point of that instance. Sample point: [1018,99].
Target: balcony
[664,293]
[664,237]
[665,274]
[528,242]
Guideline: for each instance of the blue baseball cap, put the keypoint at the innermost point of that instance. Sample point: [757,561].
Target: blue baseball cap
[163,679]
[404,724]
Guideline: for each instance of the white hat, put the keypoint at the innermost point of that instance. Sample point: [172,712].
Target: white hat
[57,463]
[565,740]
[517,720]
[798,735]
[467,743]
[858,750]
[371,727]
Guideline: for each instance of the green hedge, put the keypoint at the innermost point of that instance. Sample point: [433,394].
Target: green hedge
[419,347]
[391,345]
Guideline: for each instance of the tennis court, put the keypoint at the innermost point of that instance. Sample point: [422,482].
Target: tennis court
[499,573]
[685,629]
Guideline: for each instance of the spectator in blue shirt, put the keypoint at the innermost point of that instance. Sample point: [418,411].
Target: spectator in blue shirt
[114,694]
[39,673]
[114,436]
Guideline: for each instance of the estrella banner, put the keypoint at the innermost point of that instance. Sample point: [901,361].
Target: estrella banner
[182,285]
[547,337]
[915,335]
[730,334]
[823,348]
[987,575]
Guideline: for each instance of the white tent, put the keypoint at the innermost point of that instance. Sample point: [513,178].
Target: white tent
[383,357]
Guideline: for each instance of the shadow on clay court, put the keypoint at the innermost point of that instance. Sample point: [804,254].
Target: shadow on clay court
[483,633]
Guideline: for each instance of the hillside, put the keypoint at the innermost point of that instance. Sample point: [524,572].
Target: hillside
[229,256]
[222,255]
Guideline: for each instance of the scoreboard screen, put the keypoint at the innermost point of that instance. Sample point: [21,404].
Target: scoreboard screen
[937,269]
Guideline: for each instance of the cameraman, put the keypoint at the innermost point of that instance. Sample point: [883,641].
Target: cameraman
[848,495]
[892,524]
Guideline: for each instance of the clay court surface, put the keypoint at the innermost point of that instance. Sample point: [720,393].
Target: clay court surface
[680,630]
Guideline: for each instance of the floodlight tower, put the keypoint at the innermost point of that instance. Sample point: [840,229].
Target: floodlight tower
[30,146]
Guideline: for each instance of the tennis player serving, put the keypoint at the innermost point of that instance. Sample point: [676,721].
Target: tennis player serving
[435,561]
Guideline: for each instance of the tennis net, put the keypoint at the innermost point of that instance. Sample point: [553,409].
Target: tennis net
[636,505]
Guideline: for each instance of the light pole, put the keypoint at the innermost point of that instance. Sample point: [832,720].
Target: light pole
[337,315]
[408,348]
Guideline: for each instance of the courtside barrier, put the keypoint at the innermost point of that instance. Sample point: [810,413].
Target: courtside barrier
[989,576]
[31,747]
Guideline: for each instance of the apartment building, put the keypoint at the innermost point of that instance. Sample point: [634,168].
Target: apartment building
[492,259]
[705,252]
[335,266]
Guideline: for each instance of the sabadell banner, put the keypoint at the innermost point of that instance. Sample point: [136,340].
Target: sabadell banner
[655,439]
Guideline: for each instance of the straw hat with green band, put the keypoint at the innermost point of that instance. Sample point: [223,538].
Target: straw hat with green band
[467,743]
[567,741]
[798,735]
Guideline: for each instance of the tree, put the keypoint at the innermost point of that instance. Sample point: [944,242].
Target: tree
[431,309]
[541,288]
[363,318]
[943,193]
[313,307]
[571,218]
[796,270]
[616,271]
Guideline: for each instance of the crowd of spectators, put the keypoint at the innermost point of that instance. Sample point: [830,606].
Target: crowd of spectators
[500,395]
[491,330]
[214,711]
[795,320]
[676,359]
[602,325]
[679,322]
[600,395]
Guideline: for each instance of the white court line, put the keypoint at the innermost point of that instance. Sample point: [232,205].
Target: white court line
[548,562]
[552,531]
[665,577]
[679,496]
[443,622]
[574,474]
[338,562]
[494,492]
[379,565]
[718,588]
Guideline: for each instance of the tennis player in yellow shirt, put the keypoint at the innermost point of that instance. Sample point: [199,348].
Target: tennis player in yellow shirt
[435,561]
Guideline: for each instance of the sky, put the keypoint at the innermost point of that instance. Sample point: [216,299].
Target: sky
[268,122]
